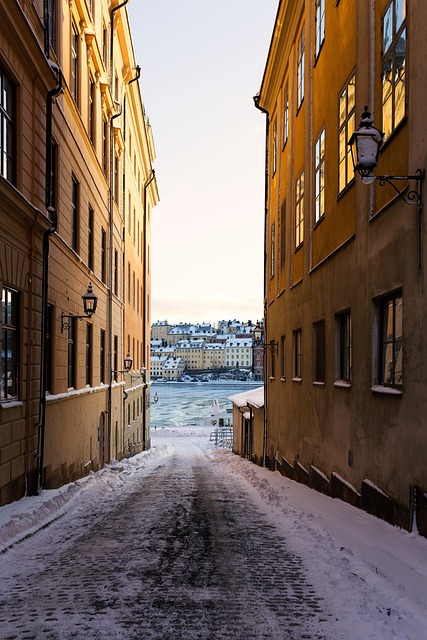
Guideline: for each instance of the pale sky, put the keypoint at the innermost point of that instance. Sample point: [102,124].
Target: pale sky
[201,64]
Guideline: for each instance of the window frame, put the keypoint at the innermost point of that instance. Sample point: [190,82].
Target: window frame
[319,352]
[8,125]
[297,354]
[320,20]
[344,349]
[10,333]
[388,55]
[285,114]
[319,177]
[75,61]
[346,127]
[299,210]
[384,342]
[300,68]
[75,204]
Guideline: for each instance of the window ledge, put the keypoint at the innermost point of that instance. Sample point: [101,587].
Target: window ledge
[282,379]
[342,384]
[316,383]
[296,379]
[392,391]
[10,404]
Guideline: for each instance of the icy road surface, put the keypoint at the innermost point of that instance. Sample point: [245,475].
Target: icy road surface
[185,542]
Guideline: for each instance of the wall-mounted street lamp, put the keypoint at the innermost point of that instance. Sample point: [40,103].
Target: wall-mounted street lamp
[90,302]
[257,334]
[127,365]
[365,144]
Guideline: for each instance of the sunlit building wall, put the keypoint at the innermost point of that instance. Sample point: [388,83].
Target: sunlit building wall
[345,263]
[102,191]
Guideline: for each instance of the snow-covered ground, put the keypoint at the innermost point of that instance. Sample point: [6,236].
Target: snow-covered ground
[372,575]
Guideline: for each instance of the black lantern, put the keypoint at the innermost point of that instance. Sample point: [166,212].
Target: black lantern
[127,362]
[89,305]
[90,301]
[365,145]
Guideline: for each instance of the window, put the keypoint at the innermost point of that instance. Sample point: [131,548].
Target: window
[285,115]
[319,177]
[90,238]
[297,354]
[129,212]
[299,210]
[71,365]
[52,23]
[283,357]
[274,145]
[391,338]
[88,361]
[116,179]
[300,69]
[104,45]
[75,63]
[7,124]
[393,66]
[344,360]
[115,356]
[128,284]
[92,109]
[319,369]
[283,234]
[52,197]
[105,147]
[49,349]
[116,273]
[346,126]
[273,248]
[103,255]
[320,25]
[102,356]
[74,214]
[9,344]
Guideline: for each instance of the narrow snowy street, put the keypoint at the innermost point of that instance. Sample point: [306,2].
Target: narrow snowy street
[187,542]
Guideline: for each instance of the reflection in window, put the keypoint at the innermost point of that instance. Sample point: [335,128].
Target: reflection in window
[319,177]
[391,340]
[393,66]
[300,68]
[320,25]
[346,126]
[9,344]
[299,210]
[6,127]
[344,361]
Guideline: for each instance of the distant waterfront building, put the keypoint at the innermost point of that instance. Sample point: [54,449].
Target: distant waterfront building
[203,348]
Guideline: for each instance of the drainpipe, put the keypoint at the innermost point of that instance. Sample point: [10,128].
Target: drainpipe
[144,302]
[111,238]
[53,217]
[267,135]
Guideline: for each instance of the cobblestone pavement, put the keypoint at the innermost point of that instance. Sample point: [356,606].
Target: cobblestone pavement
[186,555]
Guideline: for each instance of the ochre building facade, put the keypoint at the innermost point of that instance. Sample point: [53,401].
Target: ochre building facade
[345,266]
[77,191]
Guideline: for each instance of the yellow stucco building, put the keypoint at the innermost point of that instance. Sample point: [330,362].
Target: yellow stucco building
[345,261]
[77,190]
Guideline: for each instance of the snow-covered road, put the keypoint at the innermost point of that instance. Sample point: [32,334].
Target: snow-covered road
[186,542]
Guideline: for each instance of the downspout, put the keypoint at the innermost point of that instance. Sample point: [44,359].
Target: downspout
[144,306]
[111,238]
[53,217]
[267,135]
